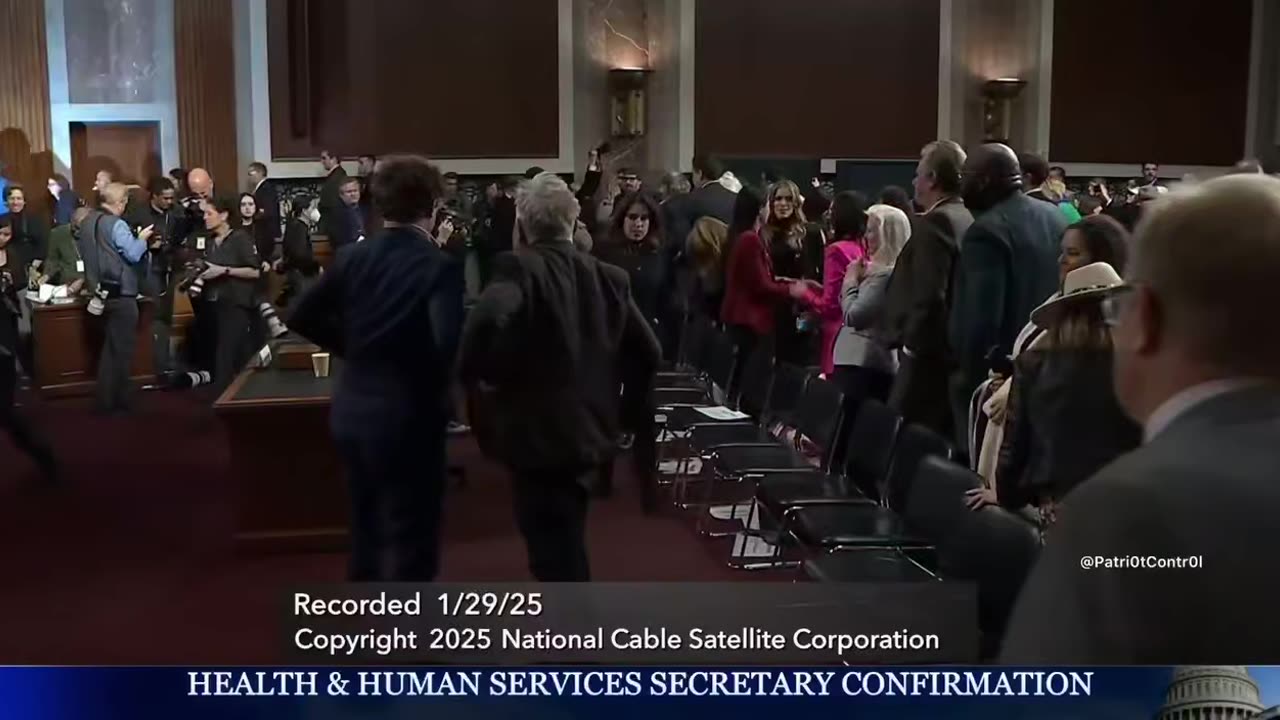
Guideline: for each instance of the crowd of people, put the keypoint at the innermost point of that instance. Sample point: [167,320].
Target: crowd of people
[1069,360]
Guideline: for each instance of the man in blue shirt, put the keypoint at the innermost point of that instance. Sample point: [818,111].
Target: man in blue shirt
[4,187]
[111,253]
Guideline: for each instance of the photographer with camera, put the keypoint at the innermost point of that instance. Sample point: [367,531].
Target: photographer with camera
[111,255]
[227,282]
[12,282]
[169,226]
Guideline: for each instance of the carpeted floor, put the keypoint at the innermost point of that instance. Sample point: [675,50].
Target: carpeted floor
[130,560]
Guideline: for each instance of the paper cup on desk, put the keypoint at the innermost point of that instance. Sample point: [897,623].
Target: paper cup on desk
[320,364]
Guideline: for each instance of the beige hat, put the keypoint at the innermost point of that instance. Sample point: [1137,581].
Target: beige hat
[1091,282]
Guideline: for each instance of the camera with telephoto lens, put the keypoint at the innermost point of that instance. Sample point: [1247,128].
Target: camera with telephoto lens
[191,283]
[98,302]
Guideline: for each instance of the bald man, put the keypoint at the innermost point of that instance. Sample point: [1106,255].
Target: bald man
[200,183]
[1008,265]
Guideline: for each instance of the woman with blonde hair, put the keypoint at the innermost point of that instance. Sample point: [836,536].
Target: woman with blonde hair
[1055,191]
[864,365]
[795,249]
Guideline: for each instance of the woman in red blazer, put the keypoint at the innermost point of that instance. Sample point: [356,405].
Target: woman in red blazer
[752,291]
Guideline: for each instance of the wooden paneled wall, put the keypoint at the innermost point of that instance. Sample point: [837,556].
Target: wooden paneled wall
[1150,80]
[24,95]
[816,78]
[206,85]
[445,78]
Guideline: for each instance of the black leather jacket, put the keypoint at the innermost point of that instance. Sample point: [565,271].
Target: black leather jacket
[1062,425]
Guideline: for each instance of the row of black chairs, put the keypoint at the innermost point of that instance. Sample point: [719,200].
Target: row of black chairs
[855,493]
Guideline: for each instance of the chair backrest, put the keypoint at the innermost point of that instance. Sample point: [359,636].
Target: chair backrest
[819,415]
[784,394]
[915,443]
[721,356]
[755,383]
[936,498]
[870,447]
[994,548]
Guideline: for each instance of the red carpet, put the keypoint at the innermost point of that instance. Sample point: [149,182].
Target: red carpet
[131,562]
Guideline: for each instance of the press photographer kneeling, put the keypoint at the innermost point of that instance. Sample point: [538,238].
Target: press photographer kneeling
[13,267]
[111,255]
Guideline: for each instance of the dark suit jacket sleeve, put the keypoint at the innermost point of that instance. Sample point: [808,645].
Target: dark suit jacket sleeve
[640,346]
[318,316]
[268,200]
[491,315]
[932,260]
[1067,615]
[979,300]
[590,185]
[445,309]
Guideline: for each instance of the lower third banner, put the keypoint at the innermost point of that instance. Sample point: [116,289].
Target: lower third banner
[317,693]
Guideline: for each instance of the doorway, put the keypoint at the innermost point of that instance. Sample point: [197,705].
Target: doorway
[130,151]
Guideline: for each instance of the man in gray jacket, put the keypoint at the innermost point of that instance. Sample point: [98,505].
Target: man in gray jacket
[1166,556]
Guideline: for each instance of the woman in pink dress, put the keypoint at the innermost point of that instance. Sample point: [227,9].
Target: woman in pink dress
[846,245]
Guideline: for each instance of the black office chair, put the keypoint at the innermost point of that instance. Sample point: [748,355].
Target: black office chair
[914,444]
[819,417]
[935,504]
[869,449]
[818,421]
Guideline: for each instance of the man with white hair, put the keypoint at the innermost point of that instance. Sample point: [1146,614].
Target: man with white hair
[1163,556]
[548,347]
[111,257]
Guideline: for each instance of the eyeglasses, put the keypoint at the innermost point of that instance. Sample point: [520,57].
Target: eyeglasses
[1113,305]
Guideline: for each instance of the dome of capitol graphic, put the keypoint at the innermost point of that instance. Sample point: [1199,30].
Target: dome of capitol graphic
[1211,692]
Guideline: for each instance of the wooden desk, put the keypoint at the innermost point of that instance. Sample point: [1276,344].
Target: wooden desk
[68,340]
[292,494]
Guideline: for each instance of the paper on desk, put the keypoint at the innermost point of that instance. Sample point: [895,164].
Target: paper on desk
[722,413]
[53,292]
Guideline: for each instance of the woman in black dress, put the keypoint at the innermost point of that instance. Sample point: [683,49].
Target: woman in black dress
[795,249]
[230,286]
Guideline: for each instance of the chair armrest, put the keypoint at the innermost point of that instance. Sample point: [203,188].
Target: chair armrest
[802,503]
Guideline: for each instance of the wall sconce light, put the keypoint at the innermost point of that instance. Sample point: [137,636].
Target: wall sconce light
[627,106]
[997,107]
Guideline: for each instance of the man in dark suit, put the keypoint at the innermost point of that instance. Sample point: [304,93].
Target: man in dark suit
[349,226]
[268,201]
[391,308]
[501,226]
[1197,364]
[330,202]
[1035,171]
[919,296]
[550,345]
[1008,265]
[709,198]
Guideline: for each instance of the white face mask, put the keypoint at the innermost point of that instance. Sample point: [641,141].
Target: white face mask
[312,215]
